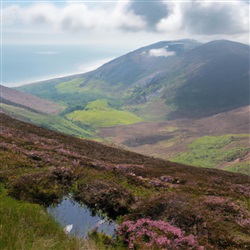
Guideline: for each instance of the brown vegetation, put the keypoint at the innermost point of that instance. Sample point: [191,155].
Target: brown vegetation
[40,166]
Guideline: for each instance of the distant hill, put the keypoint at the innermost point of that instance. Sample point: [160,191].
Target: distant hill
[113,78]
[188,78]
[128,69]
[209,79]
[31,102]
[212,78]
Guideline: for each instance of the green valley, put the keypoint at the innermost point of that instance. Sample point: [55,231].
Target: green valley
[135,100]
[101,114]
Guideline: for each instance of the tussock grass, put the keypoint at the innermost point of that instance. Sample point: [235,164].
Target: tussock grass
[26,226]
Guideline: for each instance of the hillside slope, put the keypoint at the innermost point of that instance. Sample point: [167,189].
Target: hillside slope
[30,102]
[117,75]
[40,166]
[209,79]
[39,111]
[184,78]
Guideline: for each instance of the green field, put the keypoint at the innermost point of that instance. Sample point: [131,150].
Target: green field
[211,151]
[53,122]
[101,114]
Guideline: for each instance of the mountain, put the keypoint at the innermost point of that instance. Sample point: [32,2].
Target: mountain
[41,166]
[209,79]
[186,78]
[128,69]
[116,76]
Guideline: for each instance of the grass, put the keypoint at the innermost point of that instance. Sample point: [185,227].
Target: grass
[100,114]
[211,151]
[69,86]
[53,122]
[26,226]
[92,86]
[243,168]
[154,110]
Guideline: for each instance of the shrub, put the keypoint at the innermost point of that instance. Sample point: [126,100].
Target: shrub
[150,234]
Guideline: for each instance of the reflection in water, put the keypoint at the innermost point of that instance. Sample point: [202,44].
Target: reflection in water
[78,220]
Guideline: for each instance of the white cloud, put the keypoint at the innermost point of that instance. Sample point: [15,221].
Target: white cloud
[74,16]
[10,14]
[161,52]
[121,23]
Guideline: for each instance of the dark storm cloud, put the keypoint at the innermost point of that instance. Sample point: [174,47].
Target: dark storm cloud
[215,18]
[151,12]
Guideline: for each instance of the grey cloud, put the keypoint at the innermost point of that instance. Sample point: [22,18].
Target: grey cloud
[213,19]
[152,12]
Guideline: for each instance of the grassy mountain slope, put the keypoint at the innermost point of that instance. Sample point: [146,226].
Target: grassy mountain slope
[122,72]
[225,151]
[39,165]
[113,78]
[41,112]
[53,122]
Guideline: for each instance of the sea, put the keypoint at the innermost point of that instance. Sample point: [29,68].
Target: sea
[22,64]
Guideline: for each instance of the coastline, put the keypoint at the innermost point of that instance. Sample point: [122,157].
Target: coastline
[84,68]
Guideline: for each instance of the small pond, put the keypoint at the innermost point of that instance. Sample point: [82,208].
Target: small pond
[71,213]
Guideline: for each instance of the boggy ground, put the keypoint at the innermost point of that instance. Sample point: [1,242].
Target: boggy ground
[40,166]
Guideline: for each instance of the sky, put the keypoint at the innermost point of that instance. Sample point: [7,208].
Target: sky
[126,24]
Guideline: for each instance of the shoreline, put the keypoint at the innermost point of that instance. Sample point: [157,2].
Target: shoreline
[84,68]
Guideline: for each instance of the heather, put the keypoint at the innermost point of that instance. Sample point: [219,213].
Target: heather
[159,204]
[146,233]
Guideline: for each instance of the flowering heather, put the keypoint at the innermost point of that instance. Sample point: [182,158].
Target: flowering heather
[150,234]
